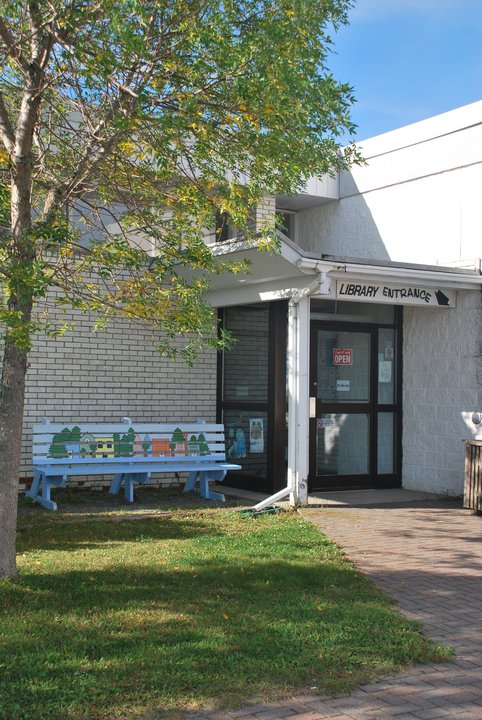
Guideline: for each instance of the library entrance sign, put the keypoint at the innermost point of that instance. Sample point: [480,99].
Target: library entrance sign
[395,294]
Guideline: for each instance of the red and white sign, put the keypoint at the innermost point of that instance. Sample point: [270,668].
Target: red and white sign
[342,356]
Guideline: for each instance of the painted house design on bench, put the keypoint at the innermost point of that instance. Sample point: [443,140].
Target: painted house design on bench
[72,442]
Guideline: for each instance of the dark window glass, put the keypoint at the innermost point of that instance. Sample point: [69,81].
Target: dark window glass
[352,311]
[286,223]
[246,365]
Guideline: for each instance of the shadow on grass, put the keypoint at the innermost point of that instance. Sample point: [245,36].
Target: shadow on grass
[139,634]
[65,535]
[78,500]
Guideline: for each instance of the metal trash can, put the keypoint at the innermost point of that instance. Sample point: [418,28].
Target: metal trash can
[473,475]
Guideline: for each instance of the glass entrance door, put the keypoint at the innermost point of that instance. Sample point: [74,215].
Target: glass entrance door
[354,415]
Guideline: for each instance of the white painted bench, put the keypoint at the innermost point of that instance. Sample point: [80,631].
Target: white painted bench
[129,451]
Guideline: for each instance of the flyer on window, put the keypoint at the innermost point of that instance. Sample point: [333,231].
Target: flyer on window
[256,435]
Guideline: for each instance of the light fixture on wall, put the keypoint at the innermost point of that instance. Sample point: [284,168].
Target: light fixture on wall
[477,418]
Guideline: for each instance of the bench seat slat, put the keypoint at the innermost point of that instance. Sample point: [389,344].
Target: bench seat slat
[51,428]
[42,460]
[112,469]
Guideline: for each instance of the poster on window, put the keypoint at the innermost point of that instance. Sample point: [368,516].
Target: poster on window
[235,441]
[256,435]
[385,371]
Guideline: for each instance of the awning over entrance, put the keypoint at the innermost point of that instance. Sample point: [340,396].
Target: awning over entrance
[297,276]
[274,276]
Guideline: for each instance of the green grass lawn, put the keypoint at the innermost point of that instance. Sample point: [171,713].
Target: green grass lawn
[153,617]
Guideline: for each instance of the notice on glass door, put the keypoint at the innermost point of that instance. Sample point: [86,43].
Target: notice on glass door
[325,421]
[342,386]
[256,435]
[385,371]
[342,356]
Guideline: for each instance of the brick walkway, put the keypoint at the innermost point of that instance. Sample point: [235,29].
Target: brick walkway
[428,557]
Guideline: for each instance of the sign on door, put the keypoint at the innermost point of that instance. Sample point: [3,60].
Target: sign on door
[342,356]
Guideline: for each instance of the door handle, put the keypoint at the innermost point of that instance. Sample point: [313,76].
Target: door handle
[312,407]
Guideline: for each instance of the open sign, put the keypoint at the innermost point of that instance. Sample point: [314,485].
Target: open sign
[342,356]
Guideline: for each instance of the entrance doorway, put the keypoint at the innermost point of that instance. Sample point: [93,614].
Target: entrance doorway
[355,396]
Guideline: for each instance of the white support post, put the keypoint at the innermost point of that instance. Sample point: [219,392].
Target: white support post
[292,370]
[298,400]
[298,369]
[303,434]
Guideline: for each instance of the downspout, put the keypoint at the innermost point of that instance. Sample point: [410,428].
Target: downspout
[296,486]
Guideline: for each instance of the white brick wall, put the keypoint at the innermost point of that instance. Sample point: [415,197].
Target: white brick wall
[442,386]
[111,374]
[264,212]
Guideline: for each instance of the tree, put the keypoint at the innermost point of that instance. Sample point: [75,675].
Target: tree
[203,446]
[126,125]
[57,447]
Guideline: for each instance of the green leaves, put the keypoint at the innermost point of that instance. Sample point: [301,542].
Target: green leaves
[153,117]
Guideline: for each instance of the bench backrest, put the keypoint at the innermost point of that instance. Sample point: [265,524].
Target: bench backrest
[61,441]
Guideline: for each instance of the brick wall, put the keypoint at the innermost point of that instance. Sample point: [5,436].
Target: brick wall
[264,212]
[111,374]
[442,386]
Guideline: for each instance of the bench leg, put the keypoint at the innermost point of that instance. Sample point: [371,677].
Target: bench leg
[190,485]
[129,487]
[34,488]
[128,479]
[204,478]
[46,487]
[115,484]
[46,483]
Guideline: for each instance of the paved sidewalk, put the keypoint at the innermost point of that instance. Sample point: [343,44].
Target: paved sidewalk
[427,555]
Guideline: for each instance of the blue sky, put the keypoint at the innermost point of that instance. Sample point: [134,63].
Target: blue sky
[409,59]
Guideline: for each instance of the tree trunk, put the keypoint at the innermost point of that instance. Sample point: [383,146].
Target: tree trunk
[14,366]
[20,275]
[12,393]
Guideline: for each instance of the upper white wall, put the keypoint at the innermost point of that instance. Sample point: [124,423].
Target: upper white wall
[417,198]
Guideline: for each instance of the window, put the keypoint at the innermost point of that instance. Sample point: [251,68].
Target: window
[287,223]
[225,229]
[252,394]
